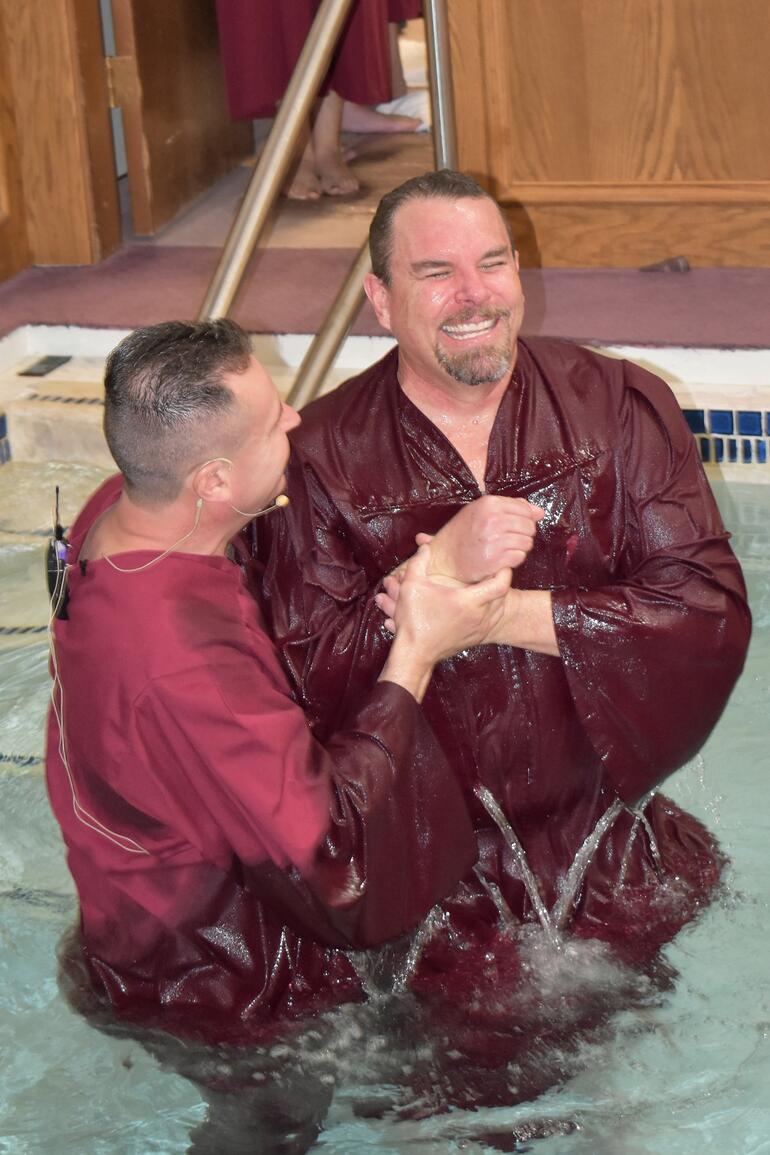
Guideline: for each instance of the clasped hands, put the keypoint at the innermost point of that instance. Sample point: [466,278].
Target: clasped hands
[467,567]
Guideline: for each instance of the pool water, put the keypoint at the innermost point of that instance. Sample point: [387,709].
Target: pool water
[678,1062]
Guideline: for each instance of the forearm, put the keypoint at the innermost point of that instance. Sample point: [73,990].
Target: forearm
[527,623]
[399,835]
[407,670]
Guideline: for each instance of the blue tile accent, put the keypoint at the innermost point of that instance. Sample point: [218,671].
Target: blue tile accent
[3,425]
[696,419]
[732,450]
[746,451]
[5,451]
[705,448]
[719,449]
[767,424]
[721,421]
[749,422]
[762,452]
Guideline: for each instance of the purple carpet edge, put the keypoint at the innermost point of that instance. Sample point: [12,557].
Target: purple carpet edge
[291,291]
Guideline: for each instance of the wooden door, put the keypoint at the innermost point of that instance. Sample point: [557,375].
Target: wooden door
[58,201]
[619,132]
[179,136]
[14,247]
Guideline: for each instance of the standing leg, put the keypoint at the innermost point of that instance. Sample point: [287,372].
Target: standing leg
[335,177]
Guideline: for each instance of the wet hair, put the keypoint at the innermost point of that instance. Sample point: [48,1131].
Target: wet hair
[166,401]
[440,184]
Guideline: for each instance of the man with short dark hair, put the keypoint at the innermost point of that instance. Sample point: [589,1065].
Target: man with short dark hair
[224,860]
[626,624]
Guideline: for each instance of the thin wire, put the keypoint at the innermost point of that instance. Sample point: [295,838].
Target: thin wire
[166,552]
[122,841]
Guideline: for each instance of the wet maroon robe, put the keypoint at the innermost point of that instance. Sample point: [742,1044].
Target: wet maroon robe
[648,602]
[260,42]
[220,854]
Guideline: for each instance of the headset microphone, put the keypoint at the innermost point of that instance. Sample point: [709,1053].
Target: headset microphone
[280,501]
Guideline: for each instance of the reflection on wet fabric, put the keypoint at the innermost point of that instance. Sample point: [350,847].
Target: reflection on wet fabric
[649,607]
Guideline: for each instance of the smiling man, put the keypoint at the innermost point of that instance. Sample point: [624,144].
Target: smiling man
[626,623]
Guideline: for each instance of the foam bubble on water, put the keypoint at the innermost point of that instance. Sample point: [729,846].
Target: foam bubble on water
[582,967]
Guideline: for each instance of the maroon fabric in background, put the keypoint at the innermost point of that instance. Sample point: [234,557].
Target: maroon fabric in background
[649,608]
[193,795]
[260,42]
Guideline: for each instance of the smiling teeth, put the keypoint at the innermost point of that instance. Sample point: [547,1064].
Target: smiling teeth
[470,330]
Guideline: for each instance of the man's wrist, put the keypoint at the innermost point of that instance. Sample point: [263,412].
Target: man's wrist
[408,670]
[527,622]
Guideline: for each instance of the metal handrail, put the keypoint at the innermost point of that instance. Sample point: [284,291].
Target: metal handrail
[440,76]
[276,157]
[266,182]
[323,349]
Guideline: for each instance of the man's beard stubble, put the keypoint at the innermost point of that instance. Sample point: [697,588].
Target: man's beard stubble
[479,365]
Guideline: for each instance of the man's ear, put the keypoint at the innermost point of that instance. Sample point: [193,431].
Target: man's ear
[379,294]
[211,481]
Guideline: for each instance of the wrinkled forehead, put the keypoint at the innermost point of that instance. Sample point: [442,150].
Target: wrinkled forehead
[437,227]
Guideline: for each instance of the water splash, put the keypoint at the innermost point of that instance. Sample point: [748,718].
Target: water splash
[492,807]
[555,921]
[387,969]
[640,819]
[573,880]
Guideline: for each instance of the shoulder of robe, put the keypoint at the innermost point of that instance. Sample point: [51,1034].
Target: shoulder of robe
[609,389]
[589,379]
[350,406]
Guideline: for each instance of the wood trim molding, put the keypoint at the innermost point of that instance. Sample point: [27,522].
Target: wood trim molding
[634,192]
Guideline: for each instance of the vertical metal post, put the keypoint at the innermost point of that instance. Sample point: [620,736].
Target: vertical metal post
[440,73]
[268,176]
[323,350]
[325,345]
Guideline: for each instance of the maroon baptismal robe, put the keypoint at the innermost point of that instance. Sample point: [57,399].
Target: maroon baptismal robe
[221,856]
[648,602]
[261,40]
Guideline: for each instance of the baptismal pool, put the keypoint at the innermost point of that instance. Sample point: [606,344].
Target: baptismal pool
[681,1067]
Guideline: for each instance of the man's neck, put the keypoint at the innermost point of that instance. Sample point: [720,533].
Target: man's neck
[464,414]
[128,526]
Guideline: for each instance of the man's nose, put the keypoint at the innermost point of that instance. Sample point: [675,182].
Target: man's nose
[472,288]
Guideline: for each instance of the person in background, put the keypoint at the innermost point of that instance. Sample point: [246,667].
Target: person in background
[260,42]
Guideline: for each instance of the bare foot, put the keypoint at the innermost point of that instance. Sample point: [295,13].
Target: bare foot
[336,178]
[362,118]
[303,184]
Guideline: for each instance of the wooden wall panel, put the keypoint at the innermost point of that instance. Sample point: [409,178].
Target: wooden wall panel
[179,136]
[42,69]
[104,206]
[645,118]
[14,247]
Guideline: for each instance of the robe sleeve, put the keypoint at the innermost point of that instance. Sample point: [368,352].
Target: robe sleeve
[352,843]
[651,658]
